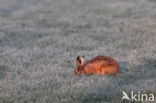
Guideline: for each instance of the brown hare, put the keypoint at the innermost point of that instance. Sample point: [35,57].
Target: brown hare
[97,65]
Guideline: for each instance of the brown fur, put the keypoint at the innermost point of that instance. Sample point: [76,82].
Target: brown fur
[97,65]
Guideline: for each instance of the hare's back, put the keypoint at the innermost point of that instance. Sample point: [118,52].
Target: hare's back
[101,65]
[104,60]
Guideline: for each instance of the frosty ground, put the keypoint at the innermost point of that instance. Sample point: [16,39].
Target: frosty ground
[40,40]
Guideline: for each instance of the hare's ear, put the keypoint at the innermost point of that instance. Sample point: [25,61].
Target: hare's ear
[78,61]
[82,60]
[78,57]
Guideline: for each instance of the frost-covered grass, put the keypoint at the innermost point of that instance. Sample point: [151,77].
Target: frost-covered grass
[40,40]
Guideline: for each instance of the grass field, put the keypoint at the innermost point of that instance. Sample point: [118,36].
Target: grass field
[40,40]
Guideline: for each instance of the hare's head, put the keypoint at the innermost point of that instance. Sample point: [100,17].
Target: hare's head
[79,62]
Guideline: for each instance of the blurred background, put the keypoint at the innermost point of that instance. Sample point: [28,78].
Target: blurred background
[40,40]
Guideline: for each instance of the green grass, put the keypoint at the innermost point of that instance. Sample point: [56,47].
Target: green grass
[3,71]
